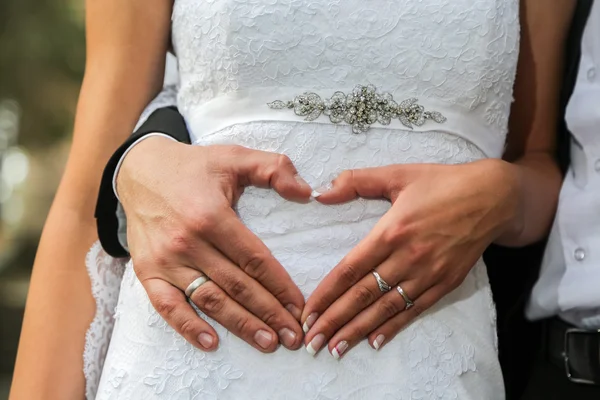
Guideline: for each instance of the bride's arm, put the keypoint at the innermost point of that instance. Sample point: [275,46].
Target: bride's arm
[126,47]
[533,120]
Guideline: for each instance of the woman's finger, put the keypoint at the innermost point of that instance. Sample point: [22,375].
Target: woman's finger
[371,183]
[386,332]
[362,259]
[171,304]
[385,308]
[356,299]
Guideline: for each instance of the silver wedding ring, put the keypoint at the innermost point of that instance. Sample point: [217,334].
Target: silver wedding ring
[409,303]
[383,285]
[196,283]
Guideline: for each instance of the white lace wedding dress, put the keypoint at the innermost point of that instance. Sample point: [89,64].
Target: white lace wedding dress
[457,57]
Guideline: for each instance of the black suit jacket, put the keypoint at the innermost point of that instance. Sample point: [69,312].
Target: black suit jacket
[512,272]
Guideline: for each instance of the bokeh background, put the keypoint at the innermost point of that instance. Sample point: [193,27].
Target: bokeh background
[42,55]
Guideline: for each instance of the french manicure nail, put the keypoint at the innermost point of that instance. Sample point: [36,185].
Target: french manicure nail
[205,340]
[315,344]
[339,349]
[309,322]
[321,190]
[287,337]
[378,342]
[295,311]
[263,338]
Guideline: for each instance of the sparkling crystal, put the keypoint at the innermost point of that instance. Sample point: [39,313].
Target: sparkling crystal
[361,108]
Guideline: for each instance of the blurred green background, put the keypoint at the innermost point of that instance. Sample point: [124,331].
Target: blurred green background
[42,55]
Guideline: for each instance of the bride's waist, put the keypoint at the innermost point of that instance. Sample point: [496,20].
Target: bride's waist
[354,113]
[280,222]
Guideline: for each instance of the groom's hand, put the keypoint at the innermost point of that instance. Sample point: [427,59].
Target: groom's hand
[181,226]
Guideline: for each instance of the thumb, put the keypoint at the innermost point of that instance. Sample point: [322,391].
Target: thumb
[370,183]
[271,170]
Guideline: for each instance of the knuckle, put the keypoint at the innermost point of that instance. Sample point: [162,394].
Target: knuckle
[453,282]
[142,267]
[235,150]
[330,325]
[271,318]
[165,307]
[283,161]
[394,235]
[179,243]
[388,308]
[238,289]
[255,264]
[210,301]
[350,273]
[203,222]
[416,252]
[363,295]
[346,176]
[187,328]
[359,332]
[242,325]
[417,310]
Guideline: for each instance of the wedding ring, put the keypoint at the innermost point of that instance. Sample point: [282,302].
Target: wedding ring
[196,283]
[383,285]
[407,300]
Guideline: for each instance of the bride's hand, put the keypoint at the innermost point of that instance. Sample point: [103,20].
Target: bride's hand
[180,225]
[441,220]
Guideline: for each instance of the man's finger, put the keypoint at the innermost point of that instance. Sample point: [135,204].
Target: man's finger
[171,304]
[269,170]
[215,303]
[370,252]
[248,293]
[232,238]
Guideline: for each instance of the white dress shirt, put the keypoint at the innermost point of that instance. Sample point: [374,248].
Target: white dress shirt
[569,283]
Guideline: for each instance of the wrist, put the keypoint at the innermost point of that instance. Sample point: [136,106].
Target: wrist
[152,144]
[506,184]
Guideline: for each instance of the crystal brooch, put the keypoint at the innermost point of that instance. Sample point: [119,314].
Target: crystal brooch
[361,108]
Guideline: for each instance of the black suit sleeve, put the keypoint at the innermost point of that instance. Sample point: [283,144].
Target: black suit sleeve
[164,120]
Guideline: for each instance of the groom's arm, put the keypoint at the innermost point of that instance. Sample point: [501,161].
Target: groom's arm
[160,118]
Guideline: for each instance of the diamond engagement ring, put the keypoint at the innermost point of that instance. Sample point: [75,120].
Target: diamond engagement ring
[383,285]
[196,283]
[407,300]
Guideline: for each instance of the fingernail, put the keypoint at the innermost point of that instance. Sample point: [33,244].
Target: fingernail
[378,342]
[321,190]
[301,181]
[263,338]
[287,337]
[295,311]
[315,344]
[309,322]
[205,340]
[339,349]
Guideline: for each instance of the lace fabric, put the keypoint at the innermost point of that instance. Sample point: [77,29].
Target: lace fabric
[459,52]
[105,274]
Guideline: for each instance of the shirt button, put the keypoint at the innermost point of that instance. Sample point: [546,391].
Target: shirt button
[579,254]
[591,74]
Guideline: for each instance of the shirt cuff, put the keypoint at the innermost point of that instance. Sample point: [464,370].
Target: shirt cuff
[114,180]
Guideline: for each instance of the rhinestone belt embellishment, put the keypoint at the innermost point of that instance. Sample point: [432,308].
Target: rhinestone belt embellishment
[361,108]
